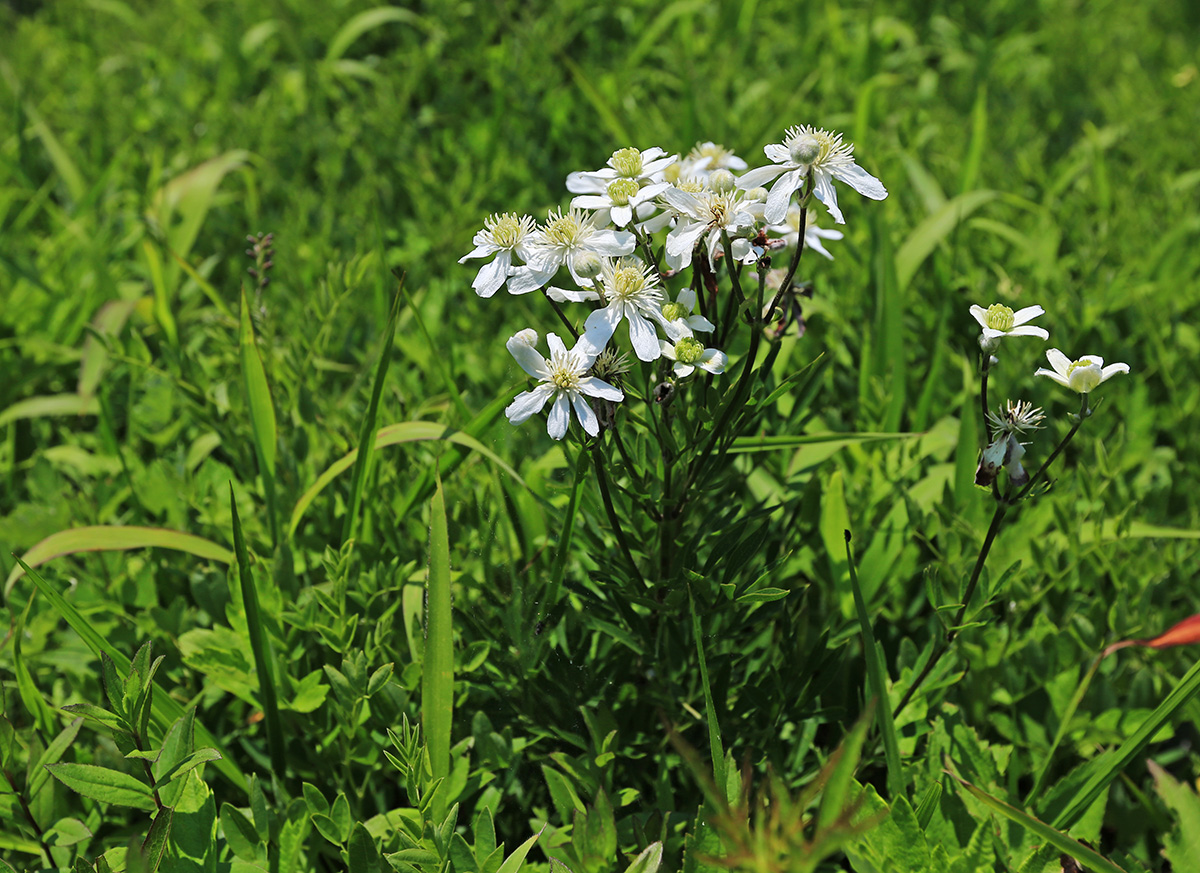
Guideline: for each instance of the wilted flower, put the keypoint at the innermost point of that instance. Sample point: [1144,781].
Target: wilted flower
[1082,375]
[999,321]
[803,149]
[563,380]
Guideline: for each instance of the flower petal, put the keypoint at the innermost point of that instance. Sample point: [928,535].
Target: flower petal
[781,193]
[560,417]
[599,328]
[611,242]
[861,181]
[681,242]
[527,404]
[492,275]
[528,357]
[778,152]
[595,387]
[526,279]
[1061,380]
[1027,314]
[823,190]
[586,415]
[759,176]
[643,337]
[1029,330]
[713,360]
[1112,370]
[1060,362]
[979,314]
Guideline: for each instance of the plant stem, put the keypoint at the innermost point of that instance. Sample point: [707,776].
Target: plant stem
[610,510]
[563,318]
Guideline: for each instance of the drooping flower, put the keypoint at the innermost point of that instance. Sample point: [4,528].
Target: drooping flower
[502,236]
[563,381]
[1083,375]
[567,240]
[999,321]
[688,353]
[1006,449]
[803,149]
[630,292]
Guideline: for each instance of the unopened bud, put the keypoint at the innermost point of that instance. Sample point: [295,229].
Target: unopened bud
[721,180]
[587,265]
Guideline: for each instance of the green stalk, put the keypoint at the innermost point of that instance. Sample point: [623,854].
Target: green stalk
[437,677]
[715,747]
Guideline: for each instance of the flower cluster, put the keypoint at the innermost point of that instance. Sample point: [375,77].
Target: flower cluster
[707,205]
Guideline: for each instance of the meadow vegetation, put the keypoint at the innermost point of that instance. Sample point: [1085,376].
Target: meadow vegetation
[294,595]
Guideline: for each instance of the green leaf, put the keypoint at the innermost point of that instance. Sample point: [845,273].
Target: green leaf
[178,743]
[394,435]
[513,862]
[239,832]
[339,814]
[366,434]
[327,828]
[648,861]
[115,538]
[99,715]
[314,799]
[189,196]
[716,748]
[53,405]
[154,847]
[763,595]
[437,673]
[53,752]
[67,832]
[104,785]
[1182,845]
[1077,850]
[262,412]
[363,22]
[926,235]
[187,765]
[263,662]
[836,797]
[362,854]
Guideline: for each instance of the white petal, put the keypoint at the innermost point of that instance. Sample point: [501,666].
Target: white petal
[1029,312]
[781,193]
[527,404]
[713,360]
[599,327]
[682,370]
[566,295]
[700,323]
[683,201]
[587,417]
[979,314]
[612,242]
[759,176]
[643,337]
[560,417]
[1060,362]
[668,350]
[557,348]
[590,201]
[813,242]
[491,276]
[687,299]
[823,191]
[861,181]
[1061,380]
[594,387]
[1029,330]
[778,153]
[681,242]
[480,251]
[649,192]
[526,279]
[1112,370]
[529,358]
[620,215]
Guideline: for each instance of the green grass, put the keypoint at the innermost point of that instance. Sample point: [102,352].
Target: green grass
[1034,153]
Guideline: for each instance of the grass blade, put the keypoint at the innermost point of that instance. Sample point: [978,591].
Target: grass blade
[262,412]
[877,681]
[1077,850]
[394,435]
[263,664]
[1108,768]
[564,539]
[715,746]
[116,538]
[366,436]
[437,677]
[53,404]
[165,709]
[926,235]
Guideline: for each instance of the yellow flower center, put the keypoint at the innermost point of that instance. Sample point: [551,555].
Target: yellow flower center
[672,311]
[688,350]
[621,191]
[999,317]
[566,231]
[507,230]
[627,162]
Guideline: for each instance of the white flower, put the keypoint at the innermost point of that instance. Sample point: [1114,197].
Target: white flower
[706,213]
[563,380]
[619,200]
[688,353]
[677,317]
[1005,451]
[803,149]
[627,163]
[631,293]
[1082,375]
[567,239]
[502,236]
[999,321]
[790,230]
[708,156]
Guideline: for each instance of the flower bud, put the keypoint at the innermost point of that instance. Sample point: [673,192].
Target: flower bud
[588,265]
[721,180]
[757,194]
[804,150]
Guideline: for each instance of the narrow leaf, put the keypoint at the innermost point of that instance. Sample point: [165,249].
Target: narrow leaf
[715,747]
[514,861]
[262,411]
[103,784]
[154,847]
[437,678]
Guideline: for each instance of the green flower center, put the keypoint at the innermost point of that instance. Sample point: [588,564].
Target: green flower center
[672,311]
[804,150]
[621,191]
[627,162]
[1000,317]
[688,350]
